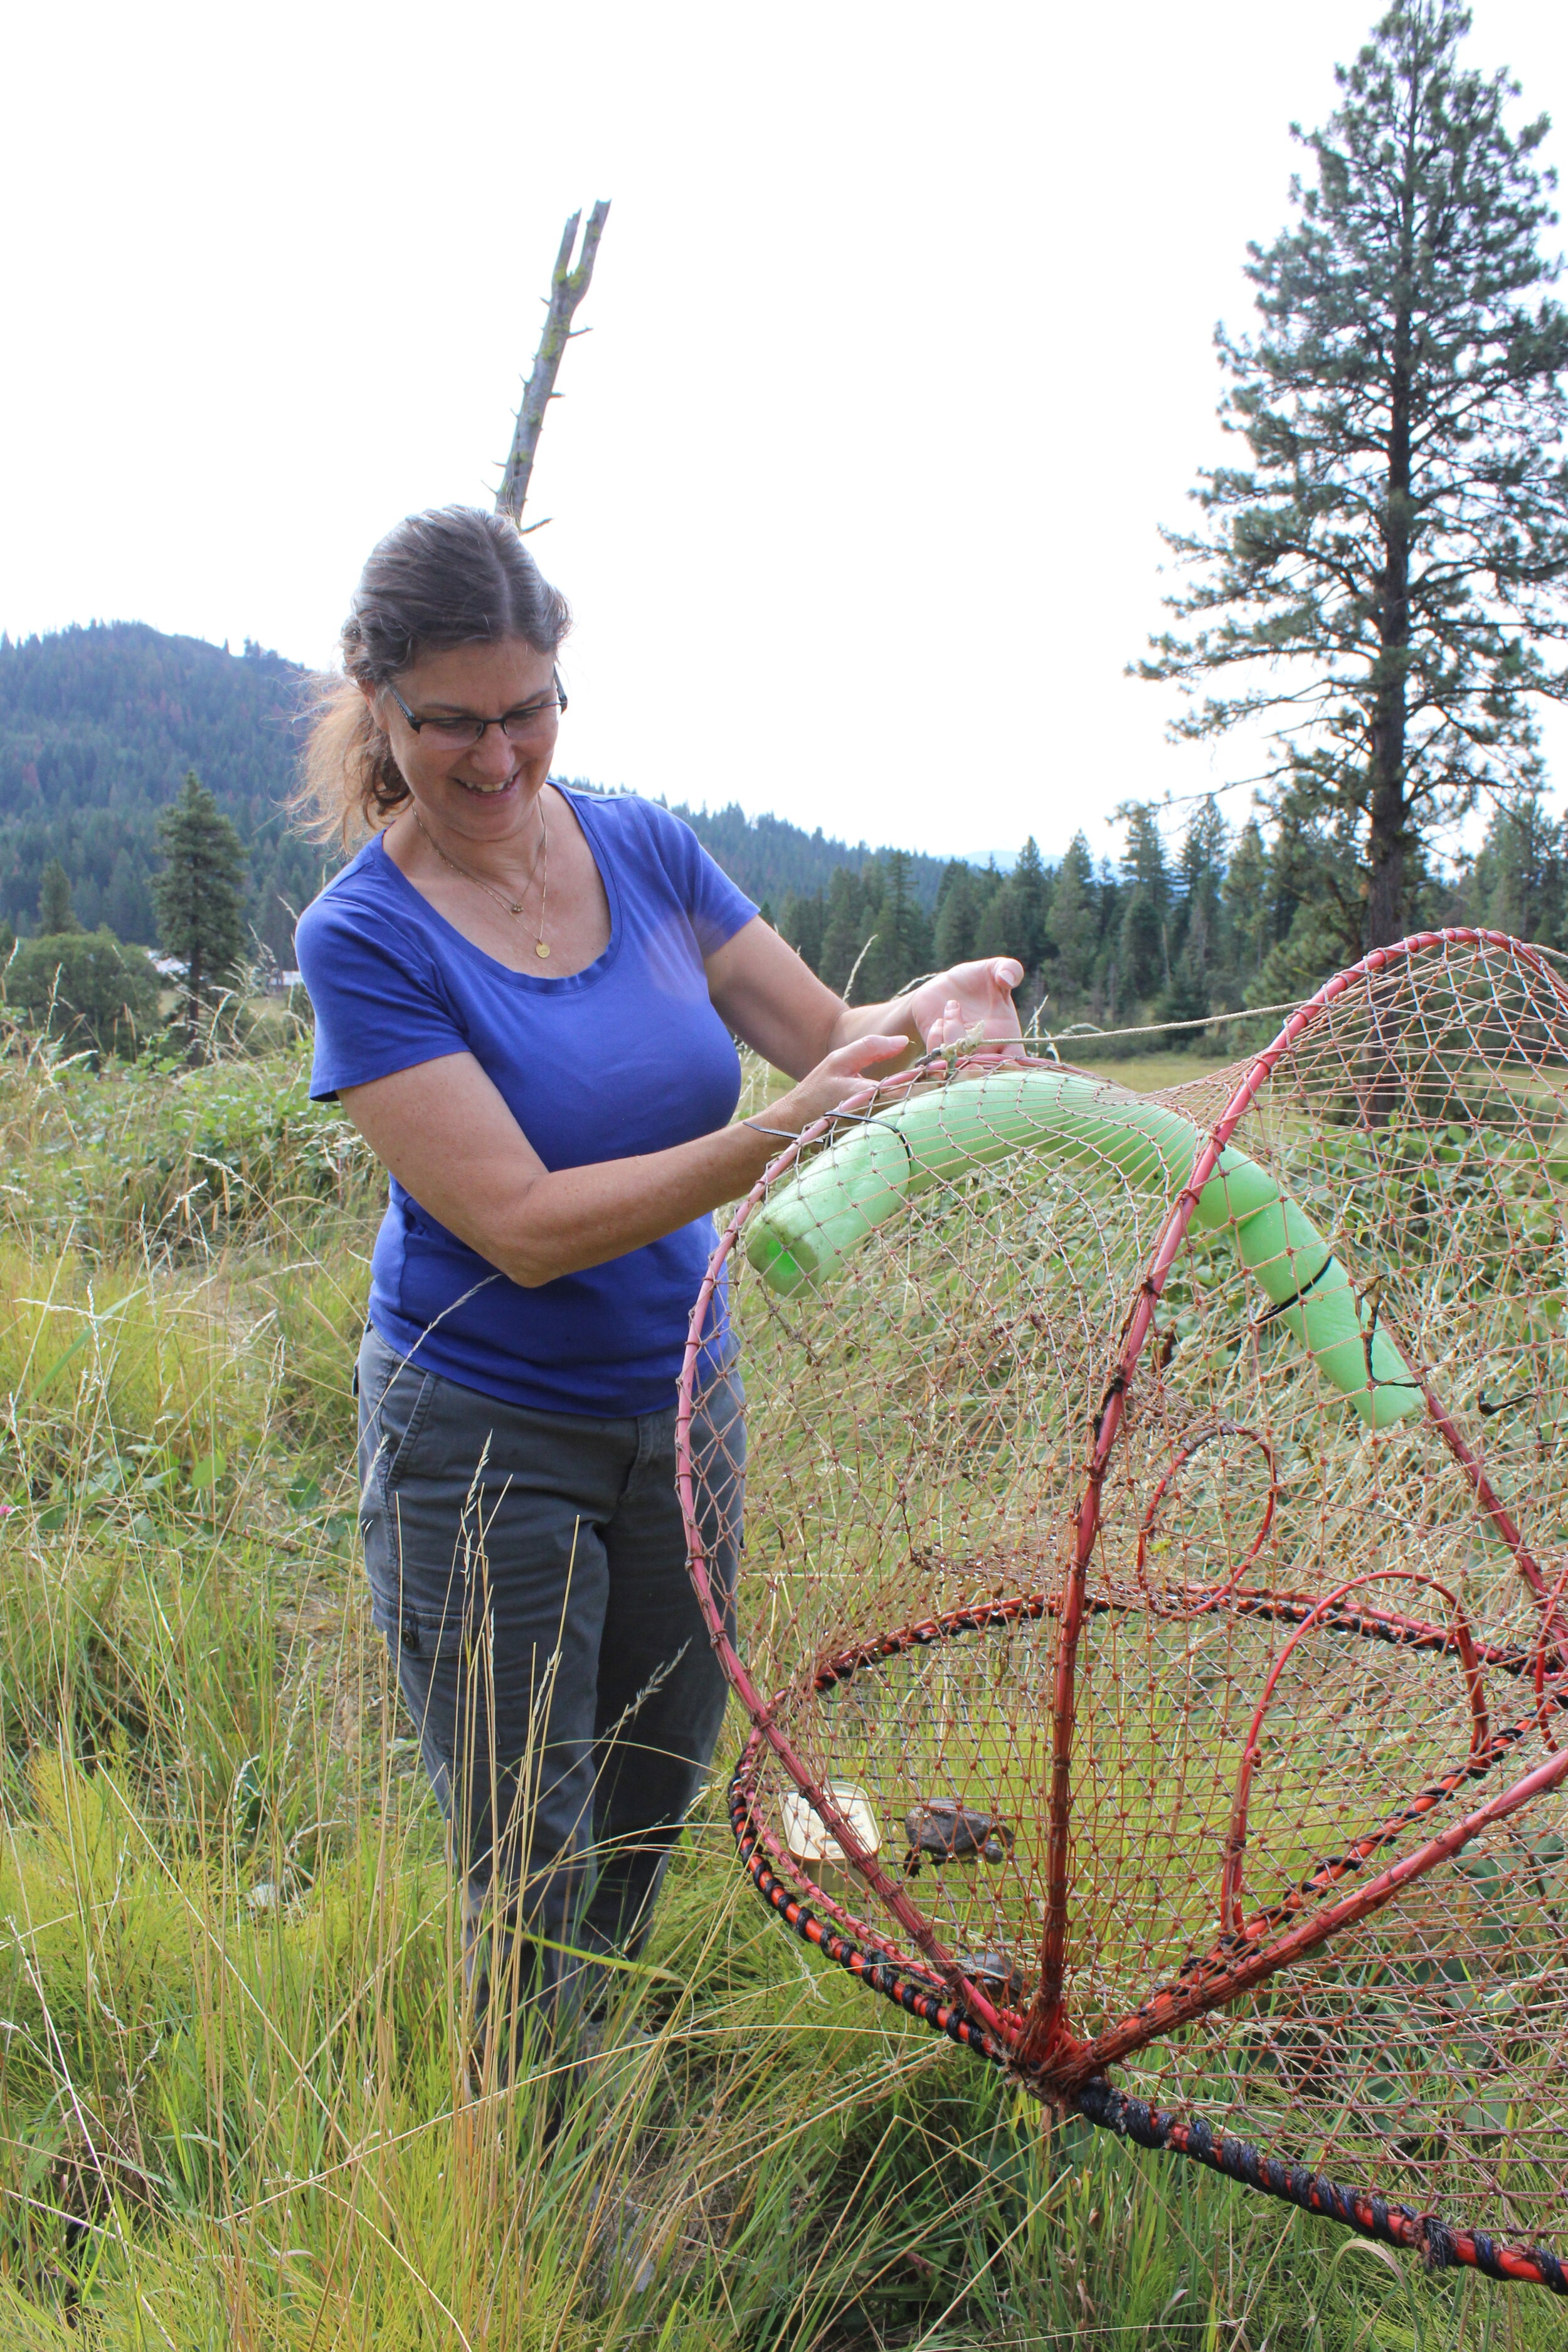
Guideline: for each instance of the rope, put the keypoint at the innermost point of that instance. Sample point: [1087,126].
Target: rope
[1440,2246]
[1083,1033]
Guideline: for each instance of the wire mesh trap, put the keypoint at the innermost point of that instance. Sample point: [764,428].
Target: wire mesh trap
[1155,1626]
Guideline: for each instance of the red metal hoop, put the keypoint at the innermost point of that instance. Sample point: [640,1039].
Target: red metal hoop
[970,1632]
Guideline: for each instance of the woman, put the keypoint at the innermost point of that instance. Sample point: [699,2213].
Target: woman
[524,999]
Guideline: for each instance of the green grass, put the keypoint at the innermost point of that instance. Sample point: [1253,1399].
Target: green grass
[1148,1074]
[233,2111]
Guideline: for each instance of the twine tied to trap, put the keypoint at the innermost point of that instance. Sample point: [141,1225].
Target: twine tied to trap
[1155,1625]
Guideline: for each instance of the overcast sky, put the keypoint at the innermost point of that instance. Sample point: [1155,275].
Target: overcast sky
[901,350]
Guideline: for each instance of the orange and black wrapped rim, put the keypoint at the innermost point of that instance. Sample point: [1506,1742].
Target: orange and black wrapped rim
[1159,2129]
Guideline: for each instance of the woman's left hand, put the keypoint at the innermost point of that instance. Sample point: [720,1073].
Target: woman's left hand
[972,1001]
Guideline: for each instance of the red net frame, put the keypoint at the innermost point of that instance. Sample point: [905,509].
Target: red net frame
[1055,1523]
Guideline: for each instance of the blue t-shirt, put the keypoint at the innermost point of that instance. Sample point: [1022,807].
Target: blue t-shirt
[628,1056]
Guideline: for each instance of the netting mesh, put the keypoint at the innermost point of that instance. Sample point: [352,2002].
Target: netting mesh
[1152,1619]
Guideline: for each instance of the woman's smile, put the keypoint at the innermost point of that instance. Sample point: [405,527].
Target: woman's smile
[487,792]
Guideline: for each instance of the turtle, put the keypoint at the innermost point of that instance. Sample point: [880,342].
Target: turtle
[942,1830]
[995,1972]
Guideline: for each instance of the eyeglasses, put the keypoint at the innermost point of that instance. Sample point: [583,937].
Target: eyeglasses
[454,733]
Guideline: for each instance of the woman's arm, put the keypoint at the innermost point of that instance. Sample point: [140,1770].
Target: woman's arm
[762,991]
[444,1131]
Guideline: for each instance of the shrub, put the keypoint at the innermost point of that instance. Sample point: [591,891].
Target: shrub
[85,988]
[179,1158]
[239,1145]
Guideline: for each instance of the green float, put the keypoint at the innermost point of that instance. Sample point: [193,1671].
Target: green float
[806,1228]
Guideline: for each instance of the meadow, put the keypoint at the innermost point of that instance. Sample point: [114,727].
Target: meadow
[234,2107]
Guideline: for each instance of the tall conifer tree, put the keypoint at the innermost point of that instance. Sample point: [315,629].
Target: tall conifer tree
[1245,905]
[902,949]
[844,929]
[1145,944]
[1195,941]
[956,916]
[1384,582]
[1072,922]
[800,922]
[1517,882]
[198,896]
[55,911]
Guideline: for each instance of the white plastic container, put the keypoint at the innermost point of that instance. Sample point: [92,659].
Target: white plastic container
[812,1845]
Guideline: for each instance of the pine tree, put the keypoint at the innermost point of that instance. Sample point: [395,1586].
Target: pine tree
[1317,891]
[1072,924]
[986,881]
[1013,922]
[1517,882]
[1195,929]
[999,928]
[902,946]
[846,931]
[126,909]
[956,914]
[1396,551]
[1245,907]
[1201,867]
[198,896]
[956,870]
[1032,887]
[54,912]
[801,923]
[1146,945]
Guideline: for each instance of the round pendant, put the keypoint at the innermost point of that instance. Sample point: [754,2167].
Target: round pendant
[541,950]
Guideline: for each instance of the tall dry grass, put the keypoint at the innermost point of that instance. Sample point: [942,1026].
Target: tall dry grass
[235,2110]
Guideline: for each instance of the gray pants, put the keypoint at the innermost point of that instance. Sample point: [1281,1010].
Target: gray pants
[529,1572]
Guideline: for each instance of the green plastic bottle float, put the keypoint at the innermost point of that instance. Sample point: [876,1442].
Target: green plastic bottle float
[807,1228]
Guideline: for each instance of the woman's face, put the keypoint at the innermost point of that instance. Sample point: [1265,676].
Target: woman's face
[487,790]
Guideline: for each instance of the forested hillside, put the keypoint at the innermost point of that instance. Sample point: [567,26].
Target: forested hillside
[98,725]
[1186,922]
[770,857]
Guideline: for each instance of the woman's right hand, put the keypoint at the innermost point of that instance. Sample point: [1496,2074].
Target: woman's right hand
[841,1075]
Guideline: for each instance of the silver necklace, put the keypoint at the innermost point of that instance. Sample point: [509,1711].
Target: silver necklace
[512,906]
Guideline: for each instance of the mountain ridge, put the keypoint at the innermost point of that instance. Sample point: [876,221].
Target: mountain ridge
[99,721]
